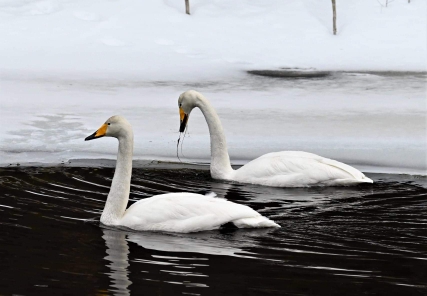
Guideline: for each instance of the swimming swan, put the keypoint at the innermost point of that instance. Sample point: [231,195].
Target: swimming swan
[278,169]
[172,212]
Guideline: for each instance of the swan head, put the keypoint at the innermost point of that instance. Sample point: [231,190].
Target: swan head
[115,126]
[186,102]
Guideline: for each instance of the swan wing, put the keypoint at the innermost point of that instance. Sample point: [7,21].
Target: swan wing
[298,169]
[189,212]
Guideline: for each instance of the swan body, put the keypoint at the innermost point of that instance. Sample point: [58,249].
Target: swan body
[277,169]
[173,212]
[190,212]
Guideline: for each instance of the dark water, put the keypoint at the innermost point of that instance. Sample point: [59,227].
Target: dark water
[367,240]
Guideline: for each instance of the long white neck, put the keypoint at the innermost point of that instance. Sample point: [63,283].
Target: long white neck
[118,197]
[220,160]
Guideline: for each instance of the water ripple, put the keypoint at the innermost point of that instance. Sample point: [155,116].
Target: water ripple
[366,238]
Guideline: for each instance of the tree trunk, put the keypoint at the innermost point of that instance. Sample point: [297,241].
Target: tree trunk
[187,6]
[334,17]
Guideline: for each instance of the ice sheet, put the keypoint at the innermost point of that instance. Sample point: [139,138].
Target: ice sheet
[372,122]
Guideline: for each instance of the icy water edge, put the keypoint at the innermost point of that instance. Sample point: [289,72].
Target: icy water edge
[376,123]
[333,241]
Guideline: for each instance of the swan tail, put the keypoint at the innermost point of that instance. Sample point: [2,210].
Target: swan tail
[358,176]
[255,222]
[366,180]
[349,182]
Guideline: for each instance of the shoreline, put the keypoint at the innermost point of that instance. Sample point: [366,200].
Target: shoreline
[175,165]
[135,80]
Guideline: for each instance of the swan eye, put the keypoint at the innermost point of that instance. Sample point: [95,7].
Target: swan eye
[108,123]
[180,104]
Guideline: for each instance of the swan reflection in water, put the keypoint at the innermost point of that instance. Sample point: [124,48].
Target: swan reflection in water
[160,267]
[117,255]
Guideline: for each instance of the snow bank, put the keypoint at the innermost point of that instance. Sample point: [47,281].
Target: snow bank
[156,40]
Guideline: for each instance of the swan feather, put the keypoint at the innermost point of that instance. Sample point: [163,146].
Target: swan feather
[297,169]
[190,212]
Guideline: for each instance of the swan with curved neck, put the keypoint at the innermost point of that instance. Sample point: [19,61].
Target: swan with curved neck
[277,169]
[172,212]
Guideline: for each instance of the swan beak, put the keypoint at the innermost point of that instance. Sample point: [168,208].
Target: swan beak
[183,117]
[99,133]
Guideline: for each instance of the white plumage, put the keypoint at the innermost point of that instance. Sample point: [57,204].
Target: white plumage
[190,212]
[173,212]
[278,169]
[297,169]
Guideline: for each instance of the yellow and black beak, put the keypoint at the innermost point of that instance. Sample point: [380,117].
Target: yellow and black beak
[99,133]
[183,117]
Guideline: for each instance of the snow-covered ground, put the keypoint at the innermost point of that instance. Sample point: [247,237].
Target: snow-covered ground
[156,40]
[67,65]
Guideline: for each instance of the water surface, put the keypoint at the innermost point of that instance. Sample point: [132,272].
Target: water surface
[367,240]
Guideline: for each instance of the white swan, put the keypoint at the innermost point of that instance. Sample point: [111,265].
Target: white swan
[173,212]
[278,169]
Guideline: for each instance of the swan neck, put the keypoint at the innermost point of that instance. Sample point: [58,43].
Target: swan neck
[220,160]
[118,196]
